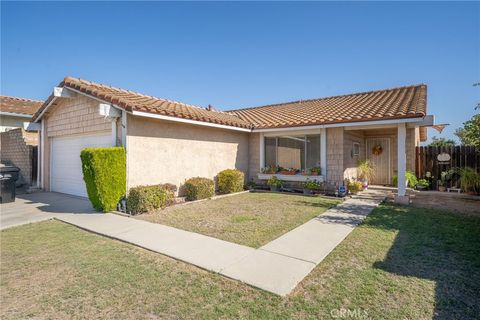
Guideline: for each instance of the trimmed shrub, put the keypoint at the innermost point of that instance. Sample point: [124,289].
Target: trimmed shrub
[170,186]
[354,186]
[230,180]
[104,173]
[143,199]
[199,188]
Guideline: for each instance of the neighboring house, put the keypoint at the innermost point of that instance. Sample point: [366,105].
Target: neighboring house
[16,112]
[168,141]
[17,145]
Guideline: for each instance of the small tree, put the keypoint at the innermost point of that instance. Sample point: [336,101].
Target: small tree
[441,142]
[470,133]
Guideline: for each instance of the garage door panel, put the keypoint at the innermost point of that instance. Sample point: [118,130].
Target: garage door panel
[66,167]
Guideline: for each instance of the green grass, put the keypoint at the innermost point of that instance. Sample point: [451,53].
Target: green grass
[401,263]
[251,219]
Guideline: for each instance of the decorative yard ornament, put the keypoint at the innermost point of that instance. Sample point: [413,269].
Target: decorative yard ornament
[443,157]
[377,150]
[440,127]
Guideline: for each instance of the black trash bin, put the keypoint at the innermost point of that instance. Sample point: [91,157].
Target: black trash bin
[8,176]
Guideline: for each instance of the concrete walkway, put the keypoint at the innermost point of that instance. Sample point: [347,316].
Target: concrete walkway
[276,267]
[40,206]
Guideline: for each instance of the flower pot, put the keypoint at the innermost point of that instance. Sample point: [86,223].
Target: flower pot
[442,188]
[273,188]
[365,184]
[287,173]
[307,191]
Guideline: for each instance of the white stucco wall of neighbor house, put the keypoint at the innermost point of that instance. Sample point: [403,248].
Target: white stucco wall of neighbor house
[160,151]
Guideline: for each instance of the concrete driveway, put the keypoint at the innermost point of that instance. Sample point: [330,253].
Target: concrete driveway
[39,206]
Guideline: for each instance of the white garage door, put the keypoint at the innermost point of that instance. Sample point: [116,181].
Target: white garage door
[65,165]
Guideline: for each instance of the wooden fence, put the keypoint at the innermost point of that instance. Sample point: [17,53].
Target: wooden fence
[434,160]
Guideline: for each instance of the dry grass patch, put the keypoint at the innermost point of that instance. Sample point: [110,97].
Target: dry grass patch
[251,219]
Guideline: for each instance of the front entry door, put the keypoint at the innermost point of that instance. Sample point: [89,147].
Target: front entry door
[378,152]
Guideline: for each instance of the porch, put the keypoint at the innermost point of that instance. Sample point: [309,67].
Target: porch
[334,153]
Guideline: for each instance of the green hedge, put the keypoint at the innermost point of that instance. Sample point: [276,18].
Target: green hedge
[104,173]
[147,198]
[199,188]
[230,180]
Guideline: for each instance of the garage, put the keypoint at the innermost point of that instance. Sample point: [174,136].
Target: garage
[66,167]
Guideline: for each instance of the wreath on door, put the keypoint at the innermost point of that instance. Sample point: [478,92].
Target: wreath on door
[377,150]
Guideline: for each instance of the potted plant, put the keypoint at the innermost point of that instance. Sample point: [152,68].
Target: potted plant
[310,185]
[315,171]
[274,183]
[410,180]
[423,184]
[441,185]
[366,172]
[354,186]
[306,172]
[270,169]
[288,171]
[469,180]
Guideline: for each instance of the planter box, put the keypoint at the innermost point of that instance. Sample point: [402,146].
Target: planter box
[287,173]
[284,177]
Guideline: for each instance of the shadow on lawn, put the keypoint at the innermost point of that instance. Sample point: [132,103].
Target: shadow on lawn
[440,247]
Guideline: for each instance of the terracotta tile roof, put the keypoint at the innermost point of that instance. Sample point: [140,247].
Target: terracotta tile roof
[402,102]
[19,105]
[133,101]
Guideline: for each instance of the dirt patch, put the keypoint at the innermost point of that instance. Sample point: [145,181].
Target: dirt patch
[453,202]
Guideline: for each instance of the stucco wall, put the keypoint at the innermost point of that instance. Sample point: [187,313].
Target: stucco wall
[163,151]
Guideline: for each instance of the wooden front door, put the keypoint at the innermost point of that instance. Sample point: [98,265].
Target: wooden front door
[380,160]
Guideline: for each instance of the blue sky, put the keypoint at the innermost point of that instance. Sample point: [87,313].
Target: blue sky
[234,55]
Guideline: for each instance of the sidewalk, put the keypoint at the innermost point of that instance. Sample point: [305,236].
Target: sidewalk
[276,267]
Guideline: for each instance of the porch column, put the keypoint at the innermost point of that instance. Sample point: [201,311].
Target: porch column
[262,151]
[401,164]
[323,153]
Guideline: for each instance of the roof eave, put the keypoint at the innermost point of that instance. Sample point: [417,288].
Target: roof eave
[413,119]
[15,114]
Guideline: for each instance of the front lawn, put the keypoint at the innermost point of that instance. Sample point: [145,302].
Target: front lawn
[252,219]
[401,263]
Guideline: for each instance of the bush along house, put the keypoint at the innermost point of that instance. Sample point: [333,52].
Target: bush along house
[166,141]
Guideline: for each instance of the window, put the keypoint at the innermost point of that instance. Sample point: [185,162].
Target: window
[270,152]
[299,152]
[291,152]
[356,149]
[313,151]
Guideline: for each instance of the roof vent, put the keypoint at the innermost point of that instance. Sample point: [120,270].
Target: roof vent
[210,108]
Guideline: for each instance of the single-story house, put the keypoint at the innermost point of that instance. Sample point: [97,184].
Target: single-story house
[169,141]
[16,112]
